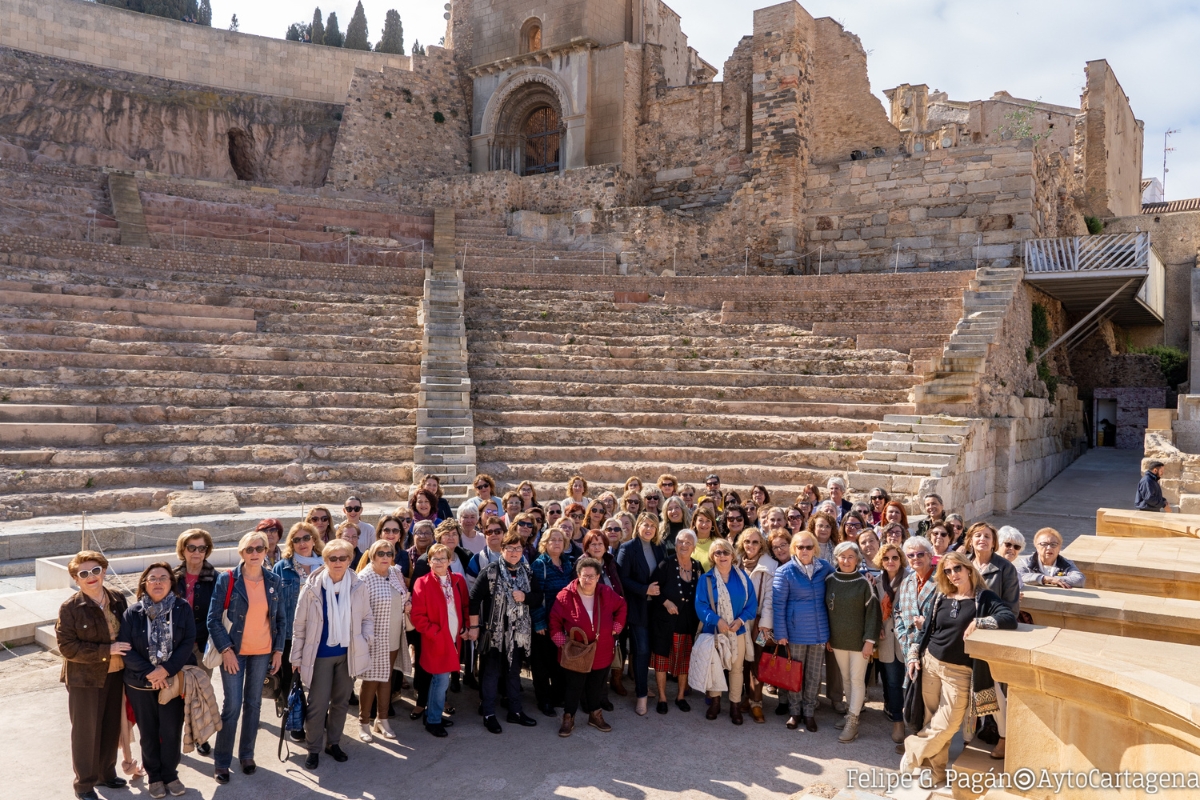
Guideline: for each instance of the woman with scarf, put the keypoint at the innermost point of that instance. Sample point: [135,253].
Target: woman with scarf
[440,604]
[755,558]
[726,605]
[389,599]
[890,560]
[501,599]
[940,661]
[251,598]
[194,582]
[331,647]
[552,571]
[160,630]
[301,554]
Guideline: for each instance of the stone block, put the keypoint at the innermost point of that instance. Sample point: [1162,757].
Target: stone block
[197,504]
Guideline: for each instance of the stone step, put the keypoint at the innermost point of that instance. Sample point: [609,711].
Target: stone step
[544,473]
[17,412]
[1158,567]
[163,396]
[910,456]
[710,405]
[244,367]
[797,370]
[899,467]
[486,390]
[924,426]
[639,449]
[878,445]
[58,434]
[198,453]
[773,418]
[196,316]
[510,434]
[728,380]
[258,433]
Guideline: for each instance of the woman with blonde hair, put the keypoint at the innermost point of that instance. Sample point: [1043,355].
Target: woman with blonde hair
[301,555]
[800,622]
[632,484]
[577,489]
[962,605]
[626,519]
[252,600]
[593,518]
[726,605]
[756,558]
[389,600]
[636,561]
[610,502]
[890,560]
[652,499]
[350,532]
[632,503]
[675,517]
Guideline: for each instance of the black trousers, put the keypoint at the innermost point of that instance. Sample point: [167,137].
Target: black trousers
[548,686]
[95,731]
[160,731]
[494,664]
[590,687]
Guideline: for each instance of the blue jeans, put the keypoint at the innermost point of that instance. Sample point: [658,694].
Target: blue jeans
[437,698]
[640,634]
[893,674]
[243,695]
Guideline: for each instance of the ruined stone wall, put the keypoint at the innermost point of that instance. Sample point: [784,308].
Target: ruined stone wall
[1176,239]
[111,38]
[497,193]
[847,116]
[609,139]
[496,24]
[1109,147]
[401,126]
[63,111]
[945,210]
[662,27]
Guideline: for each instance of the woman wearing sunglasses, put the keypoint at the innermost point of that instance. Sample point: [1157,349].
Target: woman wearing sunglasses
[963,605]
[301,555]
[320,518]
[441,604]
[331,647]
[801,623]
[93,662]
[389,600]
[252,647]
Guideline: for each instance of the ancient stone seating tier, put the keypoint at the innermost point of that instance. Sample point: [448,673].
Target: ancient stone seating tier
[120,385]
[564,380]
[1158,567]
[62,202]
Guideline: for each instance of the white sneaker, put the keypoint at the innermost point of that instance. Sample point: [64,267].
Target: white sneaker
[384,728]
[365,734]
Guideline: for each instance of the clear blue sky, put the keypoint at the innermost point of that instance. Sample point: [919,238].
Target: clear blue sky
[969,48]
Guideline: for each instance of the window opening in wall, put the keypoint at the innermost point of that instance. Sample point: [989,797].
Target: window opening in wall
[542,138]
[531,36]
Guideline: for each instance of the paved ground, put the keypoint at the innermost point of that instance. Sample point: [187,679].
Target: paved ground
[676,756]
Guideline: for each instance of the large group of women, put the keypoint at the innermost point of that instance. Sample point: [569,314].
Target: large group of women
[583,592]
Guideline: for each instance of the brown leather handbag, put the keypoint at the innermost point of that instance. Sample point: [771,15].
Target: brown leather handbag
[577,654]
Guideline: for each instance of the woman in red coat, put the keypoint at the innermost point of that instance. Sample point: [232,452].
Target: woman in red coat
[599,612]
[439,613]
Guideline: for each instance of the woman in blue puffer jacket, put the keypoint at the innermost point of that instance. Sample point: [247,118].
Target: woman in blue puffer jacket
[802,623]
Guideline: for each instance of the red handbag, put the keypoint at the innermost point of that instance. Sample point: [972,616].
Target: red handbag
[780,671]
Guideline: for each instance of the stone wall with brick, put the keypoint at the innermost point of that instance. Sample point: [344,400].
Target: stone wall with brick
[401,126]
[945,210]
[116,39]
[497,193]
[1108,146]
[1132,407]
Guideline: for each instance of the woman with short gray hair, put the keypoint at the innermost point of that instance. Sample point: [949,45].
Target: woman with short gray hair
[853,629]
[1011,543]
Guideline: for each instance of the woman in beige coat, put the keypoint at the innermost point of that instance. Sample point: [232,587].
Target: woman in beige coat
[331,646]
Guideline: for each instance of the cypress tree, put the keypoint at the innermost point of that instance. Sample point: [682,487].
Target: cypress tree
[333,34]
[318,28]
[393,35]
[418,50]
[356,31]
[204,15]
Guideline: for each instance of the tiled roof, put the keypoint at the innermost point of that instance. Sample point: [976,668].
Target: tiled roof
[1191,204]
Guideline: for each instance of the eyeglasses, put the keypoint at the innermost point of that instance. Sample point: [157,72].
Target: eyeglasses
[954,570]
[94,572]
[198,548]
[1045,545]
[385,553]
[576,515]
[439,560]
[318,519]
[258,548]
[722,554]
[853,524]
[891,558]
[939,535]
[337,559]
[514,548]
[589,578]
[712,483]
[1013,546]
[614,530]
[297,539]
[526,523]
[353,509]
[159,579]
[795,516]
[804,547]
[917,555]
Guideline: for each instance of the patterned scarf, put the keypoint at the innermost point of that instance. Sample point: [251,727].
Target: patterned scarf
[510,626]
[160,634]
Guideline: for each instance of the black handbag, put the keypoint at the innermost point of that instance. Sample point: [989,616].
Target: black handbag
[914,699]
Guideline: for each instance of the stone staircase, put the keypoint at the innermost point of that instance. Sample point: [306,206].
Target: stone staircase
[483,246]
[952,382]
[568,381]
[445,427]
[907,450]
[127,208]
[68,203]
[124,380]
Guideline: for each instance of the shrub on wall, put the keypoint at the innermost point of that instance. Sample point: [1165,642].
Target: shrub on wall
[1171,360]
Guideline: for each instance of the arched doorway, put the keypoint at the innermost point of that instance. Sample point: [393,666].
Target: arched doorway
[529,131]
[542,142]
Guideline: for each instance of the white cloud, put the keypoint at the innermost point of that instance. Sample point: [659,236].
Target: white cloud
[969,48]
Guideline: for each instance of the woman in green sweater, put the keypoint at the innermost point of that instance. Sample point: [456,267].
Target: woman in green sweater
[853,627]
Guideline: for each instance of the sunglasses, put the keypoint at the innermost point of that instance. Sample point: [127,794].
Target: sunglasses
[258,548]
[687,495]
[576,515]
[337,559]
[94,572]
[318,519]
[386,553]
[734,519]
[668,484]
[795,516]
[527,524]
[406,520]
[917,555]
[876,499]
[494,532]
[804,547]
[553,513]
[714,483]
[1012,546]
[390,530]
[954,570]
[196,548]
[614,530]
[853,524]
[482,486]
[353,509]
[305,538]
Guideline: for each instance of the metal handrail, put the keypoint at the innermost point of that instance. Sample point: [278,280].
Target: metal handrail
[1121,251]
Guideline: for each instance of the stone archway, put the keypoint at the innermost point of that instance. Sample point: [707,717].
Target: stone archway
[529,131]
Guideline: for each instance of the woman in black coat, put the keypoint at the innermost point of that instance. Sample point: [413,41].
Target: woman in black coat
[673,618]
[636,561]
[161,631]
[194,582]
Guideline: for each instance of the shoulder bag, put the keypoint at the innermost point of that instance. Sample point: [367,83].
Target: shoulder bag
[577,654]
[914,699]
[212,656]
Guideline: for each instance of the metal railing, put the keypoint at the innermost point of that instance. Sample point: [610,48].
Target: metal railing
[1118,251]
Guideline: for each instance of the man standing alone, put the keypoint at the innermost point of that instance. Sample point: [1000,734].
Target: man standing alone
[1149,492]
